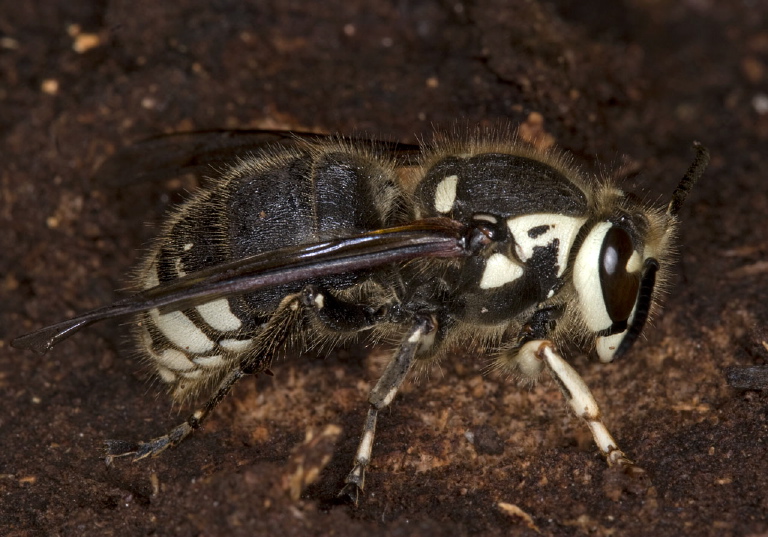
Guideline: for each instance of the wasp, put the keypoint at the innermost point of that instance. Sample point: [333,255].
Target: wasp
[479,242]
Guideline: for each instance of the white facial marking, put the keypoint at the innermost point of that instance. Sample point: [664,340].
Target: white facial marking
[209,361]
[606,346]
[586,278]
[174,360]
[445,194]
[235,345]
[188,246]
[499,269]
[181,331]
[551,227]
[218,315]
[319,301]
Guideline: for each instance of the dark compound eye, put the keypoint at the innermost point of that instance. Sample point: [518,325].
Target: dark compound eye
[619,287]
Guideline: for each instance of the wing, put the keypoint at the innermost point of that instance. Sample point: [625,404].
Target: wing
[435,238]
[201,152]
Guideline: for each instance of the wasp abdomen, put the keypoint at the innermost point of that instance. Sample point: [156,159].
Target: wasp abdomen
[293,197]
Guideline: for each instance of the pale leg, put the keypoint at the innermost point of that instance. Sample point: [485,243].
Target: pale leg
[381,395]
[582,402]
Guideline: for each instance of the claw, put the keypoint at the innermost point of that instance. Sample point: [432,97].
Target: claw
[626,478]
[352,492]
[142,450]
[355,482]
[119,448]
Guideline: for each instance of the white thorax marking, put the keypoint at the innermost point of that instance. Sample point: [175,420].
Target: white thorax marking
[551,227]
[445,193]
[500,270]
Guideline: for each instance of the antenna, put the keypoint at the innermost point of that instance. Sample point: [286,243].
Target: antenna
[689,179]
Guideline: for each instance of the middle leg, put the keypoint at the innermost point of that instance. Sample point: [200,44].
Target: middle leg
[381,396]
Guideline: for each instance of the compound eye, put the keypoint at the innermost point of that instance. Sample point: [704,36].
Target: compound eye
[619,286]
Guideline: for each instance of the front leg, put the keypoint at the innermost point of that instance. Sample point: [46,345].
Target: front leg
[580,399]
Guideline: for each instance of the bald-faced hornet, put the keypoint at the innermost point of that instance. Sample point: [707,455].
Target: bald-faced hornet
[484,242]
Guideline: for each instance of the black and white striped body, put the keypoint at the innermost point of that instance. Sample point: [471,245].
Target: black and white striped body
[542,216]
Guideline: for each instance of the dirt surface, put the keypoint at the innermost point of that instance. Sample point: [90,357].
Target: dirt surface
[626,86]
